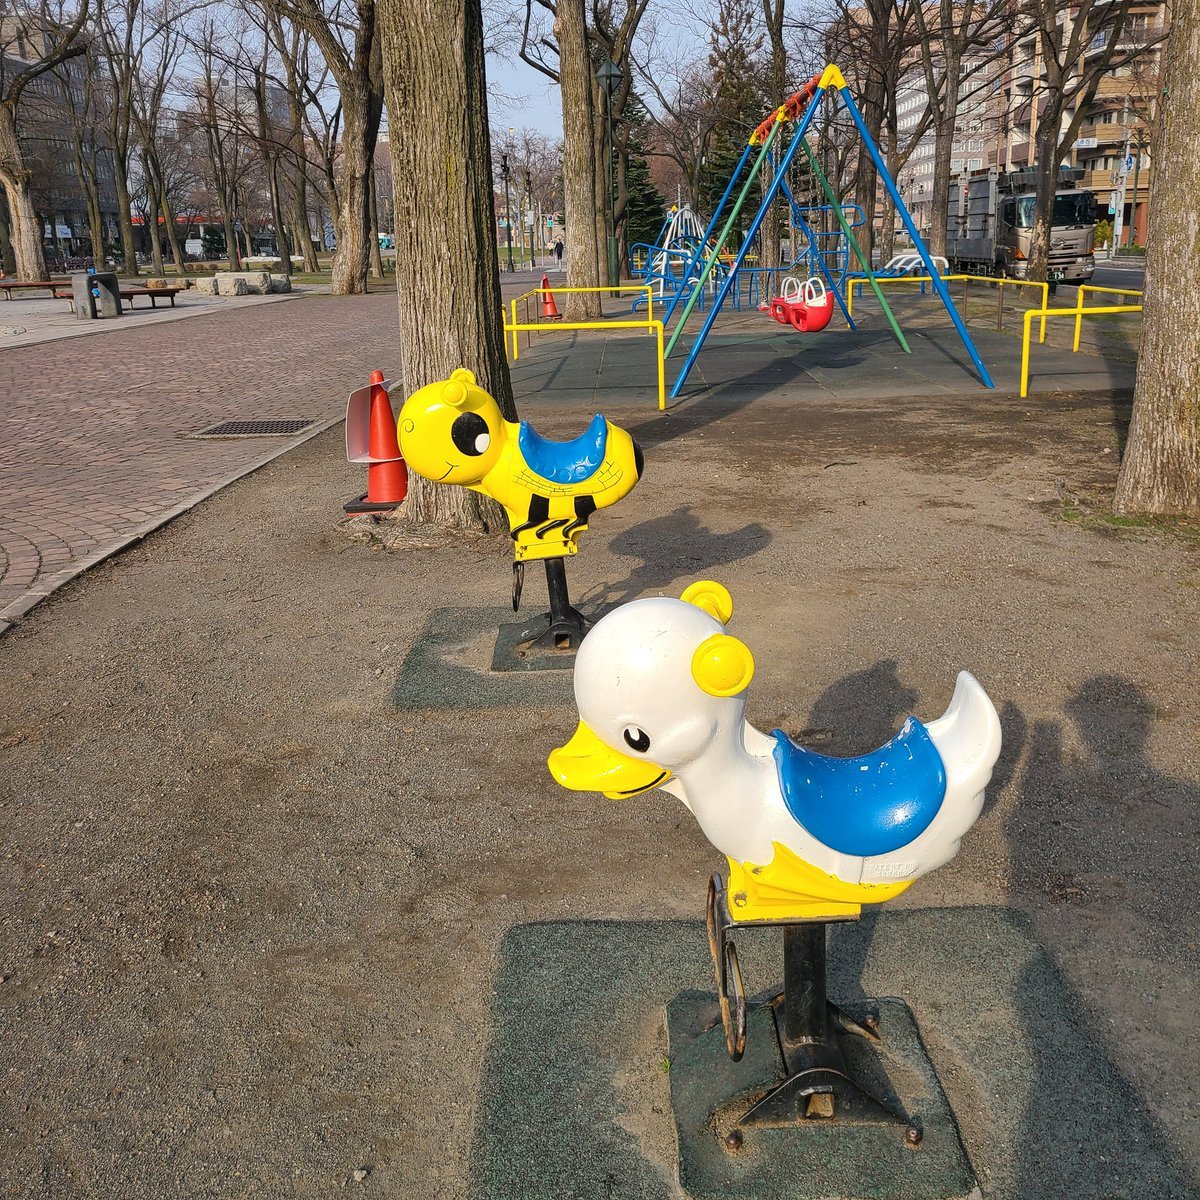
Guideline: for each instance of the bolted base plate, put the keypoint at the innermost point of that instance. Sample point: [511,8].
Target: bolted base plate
[361,504]
[863,1153]
[532,645]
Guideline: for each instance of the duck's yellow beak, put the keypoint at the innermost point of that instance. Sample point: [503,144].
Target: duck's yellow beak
[586,764]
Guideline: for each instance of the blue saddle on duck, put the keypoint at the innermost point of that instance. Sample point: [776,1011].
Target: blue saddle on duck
[565,462]
[872,804]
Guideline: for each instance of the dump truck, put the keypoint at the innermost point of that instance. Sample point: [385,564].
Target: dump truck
[989,225]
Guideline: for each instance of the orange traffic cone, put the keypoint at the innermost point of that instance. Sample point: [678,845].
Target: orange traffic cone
[387,475]
[549,308]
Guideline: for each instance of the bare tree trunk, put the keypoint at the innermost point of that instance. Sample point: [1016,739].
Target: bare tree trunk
[579,161]
[1160,472]
[768,233]
[353,256]
[125,219]
[26,230]
[776,81]
[1043,208]
[887,231]
[439,84]
[939,205]
[95,220]
[377,271]
[282,243]
[303,234]
[152,214]
[231,242]
[172,233]
[866,178]
[8,262]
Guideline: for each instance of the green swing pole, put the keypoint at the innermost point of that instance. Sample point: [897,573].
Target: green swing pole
[836,205]
[733,216]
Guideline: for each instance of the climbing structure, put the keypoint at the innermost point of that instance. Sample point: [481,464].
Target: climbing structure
[667,262]
[787,127]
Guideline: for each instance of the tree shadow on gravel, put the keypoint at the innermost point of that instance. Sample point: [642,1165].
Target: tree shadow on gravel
[677,547]
[1101,831]
[1098,822]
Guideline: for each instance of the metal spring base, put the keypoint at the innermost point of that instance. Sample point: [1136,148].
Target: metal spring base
[563,627]
[818,1085]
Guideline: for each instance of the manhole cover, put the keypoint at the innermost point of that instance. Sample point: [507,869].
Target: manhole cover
[253,429]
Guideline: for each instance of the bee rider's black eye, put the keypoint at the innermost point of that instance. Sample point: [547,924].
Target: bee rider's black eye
[470,434]
[637,739]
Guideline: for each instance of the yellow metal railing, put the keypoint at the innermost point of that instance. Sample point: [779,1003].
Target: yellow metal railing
[1000,282]
[1081,308]
[531,327]
[655,327]
[1078,313]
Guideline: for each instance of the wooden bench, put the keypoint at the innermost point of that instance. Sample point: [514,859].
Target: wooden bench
[8,286]
[128,293]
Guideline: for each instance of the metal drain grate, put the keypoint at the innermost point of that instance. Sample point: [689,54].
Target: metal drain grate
[253,429]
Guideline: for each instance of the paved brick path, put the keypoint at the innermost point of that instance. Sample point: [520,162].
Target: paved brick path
[91,447]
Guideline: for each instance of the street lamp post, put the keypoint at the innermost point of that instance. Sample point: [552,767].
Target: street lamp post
[527,215]
[609,75]
[507,208]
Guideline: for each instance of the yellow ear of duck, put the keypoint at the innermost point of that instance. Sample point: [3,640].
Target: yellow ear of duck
[454,392]
[722,666]
[463,374]
[711,597]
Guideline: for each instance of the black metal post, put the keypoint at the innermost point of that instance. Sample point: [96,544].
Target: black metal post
[507,208]
[556,585]
[805,1016]
[609,75]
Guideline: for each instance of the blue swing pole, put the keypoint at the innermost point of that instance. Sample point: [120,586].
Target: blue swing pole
[751,233]
[834,77]
[815,254]
[691,263]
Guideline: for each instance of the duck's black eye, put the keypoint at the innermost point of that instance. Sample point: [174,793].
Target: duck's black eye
[470,434]
[637,739]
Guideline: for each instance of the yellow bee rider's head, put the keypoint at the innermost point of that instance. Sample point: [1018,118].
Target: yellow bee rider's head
[451,431]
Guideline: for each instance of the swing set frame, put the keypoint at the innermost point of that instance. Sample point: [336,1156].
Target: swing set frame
[798,112]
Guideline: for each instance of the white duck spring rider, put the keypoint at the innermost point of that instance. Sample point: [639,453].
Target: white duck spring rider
[661,692]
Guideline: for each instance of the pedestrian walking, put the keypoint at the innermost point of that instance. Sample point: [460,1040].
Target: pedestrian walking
[558,252]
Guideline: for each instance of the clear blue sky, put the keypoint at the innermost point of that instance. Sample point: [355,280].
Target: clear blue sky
[521,98]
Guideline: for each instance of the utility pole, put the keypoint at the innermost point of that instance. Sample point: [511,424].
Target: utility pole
[1137,166]
[1118,191]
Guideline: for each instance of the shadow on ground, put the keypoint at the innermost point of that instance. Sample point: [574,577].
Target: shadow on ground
[677,546]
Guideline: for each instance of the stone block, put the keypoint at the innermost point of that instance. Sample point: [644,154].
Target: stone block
[205,285]
[281,283]
[157,282]
[230,284]
[257,282]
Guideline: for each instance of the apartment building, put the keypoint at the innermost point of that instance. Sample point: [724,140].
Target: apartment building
[1112,146]
[1001,103]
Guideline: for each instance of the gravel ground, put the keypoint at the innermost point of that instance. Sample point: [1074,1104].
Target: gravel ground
[252,906]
